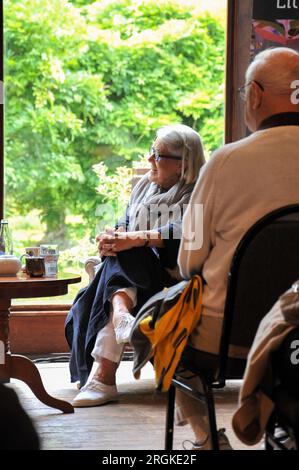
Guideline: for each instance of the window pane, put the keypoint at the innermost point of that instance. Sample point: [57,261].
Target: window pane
[87,85]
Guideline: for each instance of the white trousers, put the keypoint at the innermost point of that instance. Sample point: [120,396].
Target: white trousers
[105,344]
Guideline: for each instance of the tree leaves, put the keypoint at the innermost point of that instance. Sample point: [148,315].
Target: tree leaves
[90,82]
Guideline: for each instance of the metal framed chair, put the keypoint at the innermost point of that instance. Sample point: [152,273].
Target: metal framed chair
[282,431]
[265,264]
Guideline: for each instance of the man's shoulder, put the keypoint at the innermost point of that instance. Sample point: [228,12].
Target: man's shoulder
[234,152]
[236,147]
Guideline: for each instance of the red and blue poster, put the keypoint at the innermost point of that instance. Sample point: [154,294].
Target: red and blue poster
[275,23]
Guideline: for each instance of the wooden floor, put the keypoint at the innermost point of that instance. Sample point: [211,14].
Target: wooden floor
[135,422]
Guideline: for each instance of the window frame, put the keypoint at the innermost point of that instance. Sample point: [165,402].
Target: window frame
[239,28]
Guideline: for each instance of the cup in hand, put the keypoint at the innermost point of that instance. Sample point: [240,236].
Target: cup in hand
[35,266]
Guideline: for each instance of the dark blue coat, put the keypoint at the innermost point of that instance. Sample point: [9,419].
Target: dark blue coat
[143,268]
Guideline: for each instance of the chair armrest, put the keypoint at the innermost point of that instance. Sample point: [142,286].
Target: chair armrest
[91,266]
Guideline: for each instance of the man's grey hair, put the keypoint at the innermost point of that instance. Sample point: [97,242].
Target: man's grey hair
[186,142]
[275,69]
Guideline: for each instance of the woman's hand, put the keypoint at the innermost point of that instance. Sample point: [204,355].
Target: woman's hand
[104,247]
[113,241]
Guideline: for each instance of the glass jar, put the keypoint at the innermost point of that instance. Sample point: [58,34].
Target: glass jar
[6,243]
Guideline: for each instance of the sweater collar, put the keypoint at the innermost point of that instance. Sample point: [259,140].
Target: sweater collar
[282,119]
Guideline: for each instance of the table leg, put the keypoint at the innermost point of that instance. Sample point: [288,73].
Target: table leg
[20,367]
[23,369]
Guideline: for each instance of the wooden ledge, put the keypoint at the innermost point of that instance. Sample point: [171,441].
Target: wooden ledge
[38,329]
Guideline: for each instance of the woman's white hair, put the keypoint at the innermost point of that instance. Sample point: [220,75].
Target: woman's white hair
[186,142]
[275,69]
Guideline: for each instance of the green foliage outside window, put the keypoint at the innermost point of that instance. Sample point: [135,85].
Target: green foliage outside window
[90,82]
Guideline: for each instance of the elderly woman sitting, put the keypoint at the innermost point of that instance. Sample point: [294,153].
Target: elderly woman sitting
[139,259]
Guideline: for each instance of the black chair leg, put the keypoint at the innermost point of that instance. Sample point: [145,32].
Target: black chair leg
[268,445]
[270,432]
[170,418]
[212,417]
[296,438]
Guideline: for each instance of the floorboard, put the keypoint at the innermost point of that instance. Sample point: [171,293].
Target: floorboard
[136,421]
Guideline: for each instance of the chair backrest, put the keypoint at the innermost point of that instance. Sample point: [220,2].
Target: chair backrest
[265,264]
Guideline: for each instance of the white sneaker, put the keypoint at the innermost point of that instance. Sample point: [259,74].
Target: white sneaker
[223,441]
[123,327]
[95,393]
[283,437]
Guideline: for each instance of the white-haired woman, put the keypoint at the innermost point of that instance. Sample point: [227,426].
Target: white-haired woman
[139,259]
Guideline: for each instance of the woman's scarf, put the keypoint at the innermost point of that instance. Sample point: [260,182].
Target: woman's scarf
[151,207]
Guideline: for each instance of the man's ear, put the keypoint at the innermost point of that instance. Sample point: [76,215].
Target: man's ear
[255,96]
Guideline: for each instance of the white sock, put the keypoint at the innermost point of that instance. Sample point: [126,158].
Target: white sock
[121,314]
